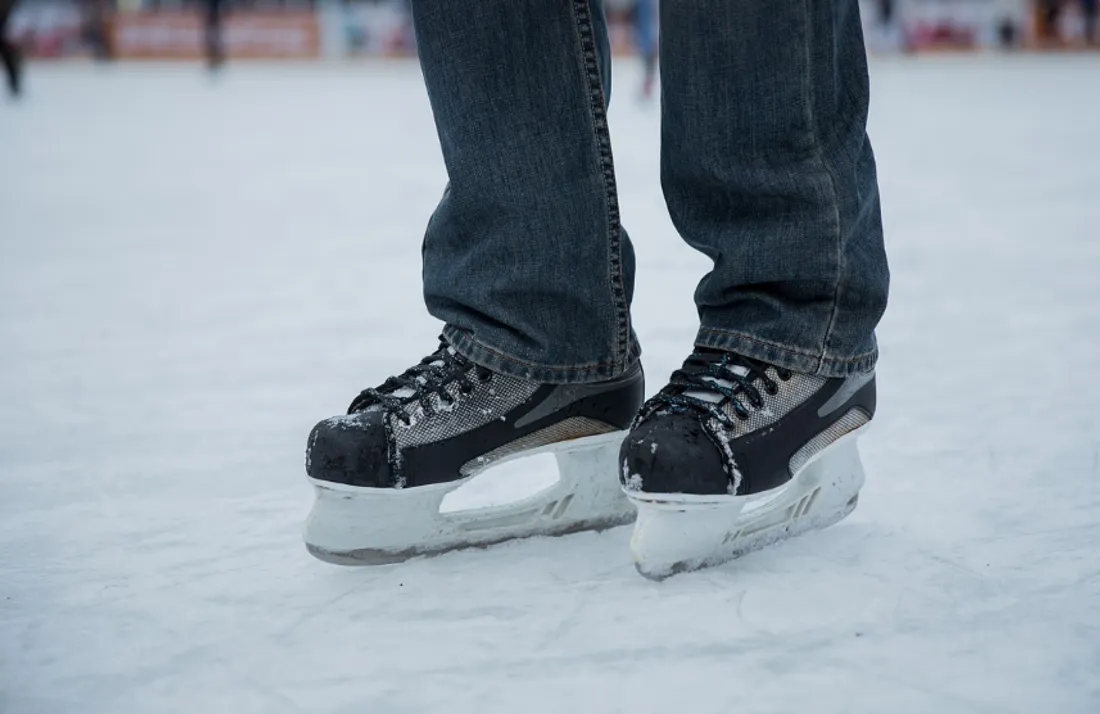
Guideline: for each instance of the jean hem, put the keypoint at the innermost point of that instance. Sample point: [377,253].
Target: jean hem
[500,361]
[789,357]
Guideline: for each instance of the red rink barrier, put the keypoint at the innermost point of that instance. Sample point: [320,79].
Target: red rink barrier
[180,35]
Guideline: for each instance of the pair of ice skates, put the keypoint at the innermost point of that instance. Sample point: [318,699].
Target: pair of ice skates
[733,454]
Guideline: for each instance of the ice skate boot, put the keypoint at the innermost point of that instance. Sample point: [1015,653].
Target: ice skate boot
[735,454]
[381,471]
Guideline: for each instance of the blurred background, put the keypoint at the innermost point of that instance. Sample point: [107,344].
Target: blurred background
[158,29]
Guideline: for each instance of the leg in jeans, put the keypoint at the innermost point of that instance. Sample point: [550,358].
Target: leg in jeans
[525,259]
[526,263]
[767,169]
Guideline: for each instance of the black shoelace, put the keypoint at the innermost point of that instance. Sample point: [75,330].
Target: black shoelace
[433,375]
[709,372]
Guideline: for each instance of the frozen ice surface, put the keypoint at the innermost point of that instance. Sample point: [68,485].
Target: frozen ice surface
[193,272]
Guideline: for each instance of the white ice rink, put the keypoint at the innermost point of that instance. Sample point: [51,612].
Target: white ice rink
[192,272]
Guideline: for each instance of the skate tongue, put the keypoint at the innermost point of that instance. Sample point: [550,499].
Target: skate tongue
[715,397]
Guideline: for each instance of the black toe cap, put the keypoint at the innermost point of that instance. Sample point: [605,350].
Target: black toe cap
[351,450]
[672,453]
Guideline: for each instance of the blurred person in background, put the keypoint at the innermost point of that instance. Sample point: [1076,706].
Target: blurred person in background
[1090,9]
[887,30]
[886,12]
[9,52]
[213,16]
[645,37]
[95,27]
[766,169]
[1049,22]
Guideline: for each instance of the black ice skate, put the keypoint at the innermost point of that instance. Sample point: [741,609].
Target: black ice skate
[381,471]
[735,454]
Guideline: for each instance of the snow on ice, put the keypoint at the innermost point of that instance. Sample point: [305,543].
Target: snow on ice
[193,272]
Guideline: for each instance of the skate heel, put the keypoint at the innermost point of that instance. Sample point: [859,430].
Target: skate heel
[372,526]
[682,532]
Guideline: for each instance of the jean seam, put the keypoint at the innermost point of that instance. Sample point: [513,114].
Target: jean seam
[759,341]
[473,341]
[582,16]
[815,135]
[717,331]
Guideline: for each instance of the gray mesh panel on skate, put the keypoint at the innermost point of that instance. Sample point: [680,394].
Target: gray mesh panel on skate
[571,428]
[851,421]
[793,392]
[490,400]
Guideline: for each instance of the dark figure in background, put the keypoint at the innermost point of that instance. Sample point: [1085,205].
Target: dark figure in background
[645,36]
[215,52]
[886,12]
[1090,9]
[887,29]
[1008,34]
[1050,20]
[9,53]
[96,28]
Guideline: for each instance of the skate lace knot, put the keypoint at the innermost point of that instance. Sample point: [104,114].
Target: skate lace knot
[711,380]
[417,384]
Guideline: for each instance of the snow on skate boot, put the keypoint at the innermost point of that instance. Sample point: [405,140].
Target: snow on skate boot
[735,454]
[381,471]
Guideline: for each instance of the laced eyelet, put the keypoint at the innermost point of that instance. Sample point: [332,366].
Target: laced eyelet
[771,388]
[784,374]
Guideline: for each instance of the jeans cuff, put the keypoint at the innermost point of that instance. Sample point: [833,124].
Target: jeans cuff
[789,357]
[500,361]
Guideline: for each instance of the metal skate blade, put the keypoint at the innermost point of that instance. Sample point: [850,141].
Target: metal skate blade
[362,556]
[377,556]
[677,533]
[659,572]
[372,526]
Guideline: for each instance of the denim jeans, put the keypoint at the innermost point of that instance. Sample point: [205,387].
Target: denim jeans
[765,166]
